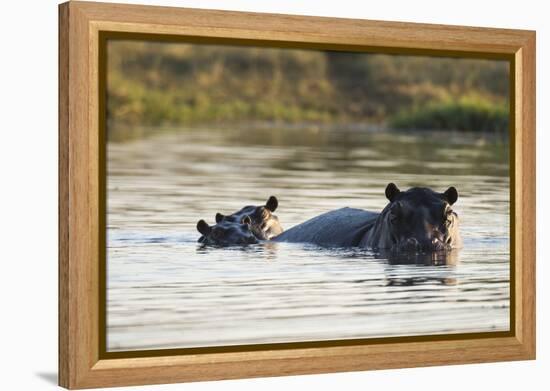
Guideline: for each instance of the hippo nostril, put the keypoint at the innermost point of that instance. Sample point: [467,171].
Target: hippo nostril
[411,244]
[439,245]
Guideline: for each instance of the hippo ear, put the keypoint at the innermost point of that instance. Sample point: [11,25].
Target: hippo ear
[246,220]
[272,203]
[392,191]
[450,195]
[219,217]
[203,227]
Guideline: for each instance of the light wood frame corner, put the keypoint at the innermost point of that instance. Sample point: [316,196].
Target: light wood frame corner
[81,25]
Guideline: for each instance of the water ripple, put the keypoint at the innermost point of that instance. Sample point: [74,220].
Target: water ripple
[166,291]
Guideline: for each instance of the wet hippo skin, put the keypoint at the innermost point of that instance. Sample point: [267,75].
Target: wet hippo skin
[246,226]
[226,233]
[343,227]
[263,223]
[418,219]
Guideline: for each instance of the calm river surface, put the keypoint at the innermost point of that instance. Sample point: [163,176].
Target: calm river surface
[165,291]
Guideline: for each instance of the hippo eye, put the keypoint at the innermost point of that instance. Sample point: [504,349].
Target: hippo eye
[395,212]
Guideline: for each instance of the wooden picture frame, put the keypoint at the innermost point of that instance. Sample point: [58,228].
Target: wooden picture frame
[82,28]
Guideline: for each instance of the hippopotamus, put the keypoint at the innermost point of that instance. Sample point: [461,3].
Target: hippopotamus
[263,223]
[246,226]
[227,233]
[416,220]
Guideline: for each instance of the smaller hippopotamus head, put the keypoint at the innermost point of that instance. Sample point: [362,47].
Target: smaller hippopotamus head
[226,233]
[418,220]
[263,223]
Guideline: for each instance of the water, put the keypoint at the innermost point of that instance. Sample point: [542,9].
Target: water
[165,291]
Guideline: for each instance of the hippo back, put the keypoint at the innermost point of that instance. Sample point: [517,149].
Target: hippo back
[343,227]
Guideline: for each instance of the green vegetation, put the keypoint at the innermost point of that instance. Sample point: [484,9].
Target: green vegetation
[182,85]
[470,114]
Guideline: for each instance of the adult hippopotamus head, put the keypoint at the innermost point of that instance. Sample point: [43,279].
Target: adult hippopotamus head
[263,223]
[418,219]
[226,233]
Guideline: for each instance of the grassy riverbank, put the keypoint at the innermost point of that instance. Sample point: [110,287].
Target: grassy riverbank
[467,114]
[182,85]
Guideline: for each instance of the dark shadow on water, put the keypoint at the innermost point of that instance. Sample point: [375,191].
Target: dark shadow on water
[435,258]
[267,250]
[413,281]
[48,377]
[430,258]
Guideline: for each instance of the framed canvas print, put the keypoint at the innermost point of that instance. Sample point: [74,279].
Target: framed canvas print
[247,195]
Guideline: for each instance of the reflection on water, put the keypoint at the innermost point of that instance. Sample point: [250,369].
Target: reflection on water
[167,291]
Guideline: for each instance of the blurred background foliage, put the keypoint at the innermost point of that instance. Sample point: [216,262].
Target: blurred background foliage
[152,84]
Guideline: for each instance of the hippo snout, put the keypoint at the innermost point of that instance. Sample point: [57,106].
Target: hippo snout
[413,245]
[438,245]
